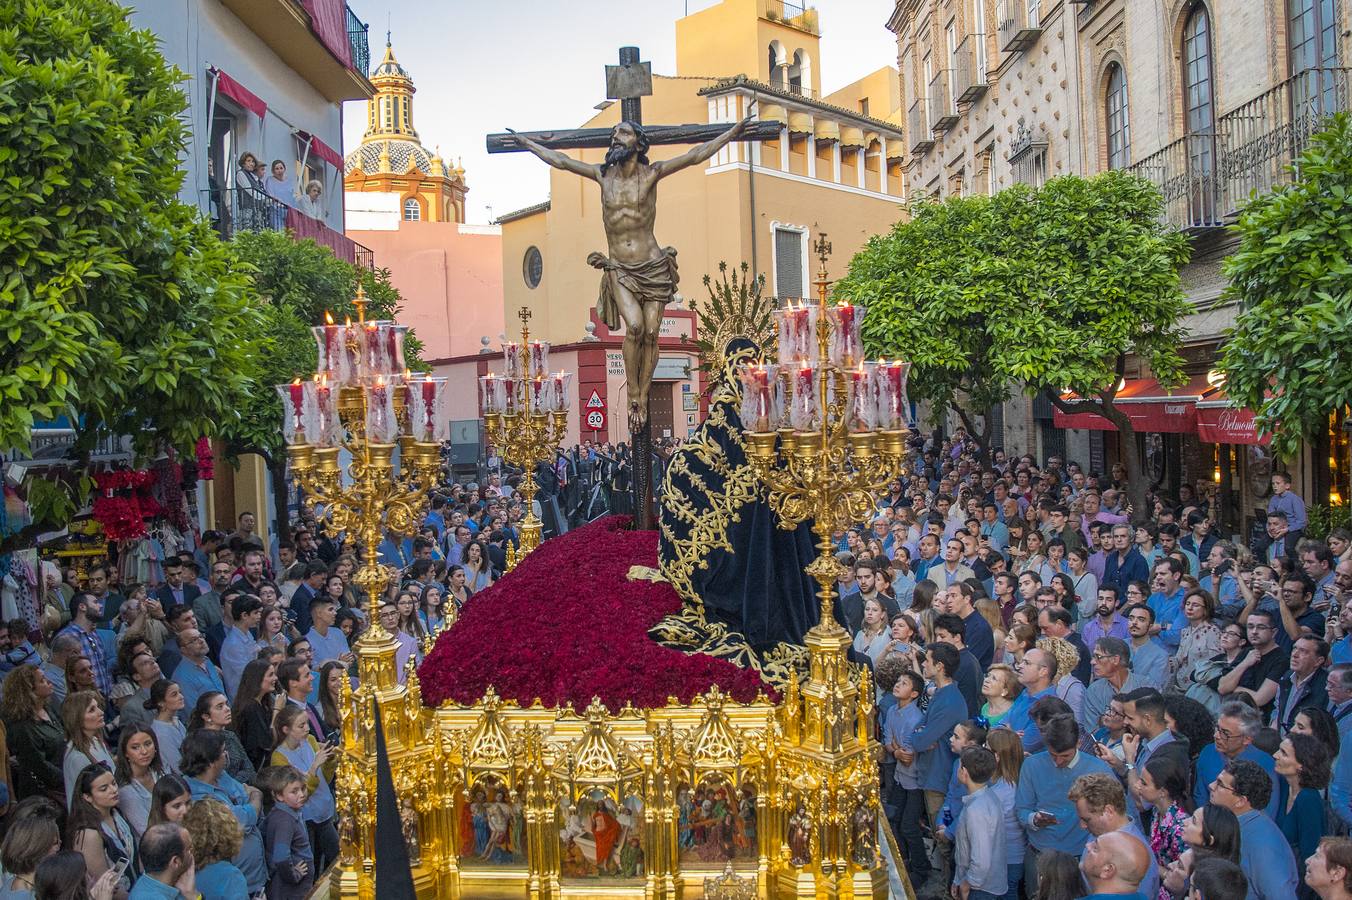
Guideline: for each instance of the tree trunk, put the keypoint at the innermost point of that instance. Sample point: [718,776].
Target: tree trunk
[277,468]
[981,438]
[1131,454]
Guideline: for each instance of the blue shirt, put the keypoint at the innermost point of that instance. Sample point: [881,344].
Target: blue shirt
[898,725]
[946,710]
[1169,616]
[237,650]
[1019,719]
[94,652]
[222,880]
[1122,572]
[327,647]
[1340,788]
[250,857]
[1341,652]
[1210,763]
[147,888]
[1150,662]
[1266,858]
[195,681]
[1293,506]
[1043,787]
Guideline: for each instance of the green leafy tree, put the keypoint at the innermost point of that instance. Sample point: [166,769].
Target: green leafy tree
[1289,354]
[119,307]
[299,282]
[1048,289]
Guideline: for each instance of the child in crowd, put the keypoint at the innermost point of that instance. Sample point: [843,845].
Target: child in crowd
[290,859]
[979,856]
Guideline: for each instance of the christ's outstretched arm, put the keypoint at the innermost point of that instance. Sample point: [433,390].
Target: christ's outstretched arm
[559,160]
[665,167]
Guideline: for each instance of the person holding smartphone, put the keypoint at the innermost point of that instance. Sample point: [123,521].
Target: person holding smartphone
[297,747]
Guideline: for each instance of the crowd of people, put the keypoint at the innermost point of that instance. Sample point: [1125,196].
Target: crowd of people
[180,739]
[1078,698]
[261,197]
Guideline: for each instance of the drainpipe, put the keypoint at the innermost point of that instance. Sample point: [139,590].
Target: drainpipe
[751,189]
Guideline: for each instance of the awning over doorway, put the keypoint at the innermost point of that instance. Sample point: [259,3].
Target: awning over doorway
[1220,423]
[1148,405]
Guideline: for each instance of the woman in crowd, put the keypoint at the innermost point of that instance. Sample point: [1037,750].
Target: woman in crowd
[1084,584]
[1303,768]
[1068,687]
[1020,638]
[1001,688]
[64,876]
[82,715]
[456,591]
[1319,724]
[478,570]
[1213,831]
[29,840]
[903,638]
[873,637]
[297,747]
[1008,750]
[204,762]
[169,801]
[36,740]
[1064,587]
[1055,563]
[922,598]
[1189,720]
[213,713]
[272,628]
[256,705]
[166,701]
[335,588]
[432,608]
[1137,592]
[80,677]
[138,769]
[410,623]
[1200,640]
[282,189]
[98,830]
[332,676]
[1058,876]
[252,203]
[1029,556]
[1340,544]
[216,839]
[1164,786]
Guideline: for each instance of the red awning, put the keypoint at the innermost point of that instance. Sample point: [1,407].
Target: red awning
[1149,406]
[323,150]
[1220,423]
[239,93]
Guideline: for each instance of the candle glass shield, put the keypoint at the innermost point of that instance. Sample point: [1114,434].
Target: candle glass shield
[427,416]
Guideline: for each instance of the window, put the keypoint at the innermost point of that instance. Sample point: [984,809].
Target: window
[776,73]
[863,107]
[532,267]
[1313,36]
[1199,113]
[387,113]
[412,210]
[789,256]
[979,35]
[957,183]
[1119,132]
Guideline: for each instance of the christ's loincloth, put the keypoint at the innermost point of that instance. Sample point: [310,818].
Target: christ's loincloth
[653,281]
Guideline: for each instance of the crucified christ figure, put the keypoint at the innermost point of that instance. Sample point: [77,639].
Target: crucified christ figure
[638,278]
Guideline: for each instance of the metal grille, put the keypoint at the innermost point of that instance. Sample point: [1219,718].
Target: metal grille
[788,263]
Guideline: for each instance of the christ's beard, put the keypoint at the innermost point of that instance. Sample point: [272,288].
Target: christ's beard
[617,154]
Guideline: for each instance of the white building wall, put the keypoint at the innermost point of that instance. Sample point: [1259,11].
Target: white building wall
[198,34]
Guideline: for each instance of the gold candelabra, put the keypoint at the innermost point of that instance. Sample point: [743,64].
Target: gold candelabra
[362,401]
[525,416]
[824,433]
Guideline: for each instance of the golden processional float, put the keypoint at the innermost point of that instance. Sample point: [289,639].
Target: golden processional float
[498,799]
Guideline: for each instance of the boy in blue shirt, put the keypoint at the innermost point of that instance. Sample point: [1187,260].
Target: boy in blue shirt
[908,799]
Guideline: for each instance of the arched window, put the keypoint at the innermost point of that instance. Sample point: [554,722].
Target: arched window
[1119,129]
[776,64]
[1200,113]
[800,73]
[412,210]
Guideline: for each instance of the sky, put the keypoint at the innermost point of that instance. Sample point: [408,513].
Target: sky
[480,66]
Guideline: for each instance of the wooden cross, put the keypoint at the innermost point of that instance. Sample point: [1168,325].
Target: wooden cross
[629,82]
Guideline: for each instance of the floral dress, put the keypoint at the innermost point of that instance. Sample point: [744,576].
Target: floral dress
[1166,840]
[1198,643]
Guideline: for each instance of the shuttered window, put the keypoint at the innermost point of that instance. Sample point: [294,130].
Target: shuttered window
[788,263]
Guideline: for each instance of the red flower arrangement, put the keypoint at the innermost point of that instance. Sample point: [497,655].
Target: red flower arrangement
[124,502]
[567,625]
[206,460]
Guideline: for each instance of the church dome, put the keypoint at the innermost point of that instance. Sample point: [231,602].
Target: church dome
[389,66]
[401,153]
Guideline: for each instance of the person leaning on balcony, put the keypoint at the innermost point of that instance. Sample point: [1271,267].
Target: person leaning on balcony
[311,203]
[251,193]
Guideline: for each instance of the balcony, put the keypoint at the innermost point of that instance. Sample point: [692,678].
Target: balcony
[943,114]
[917,127]
[322,41]
[969,76]
[1017,24]
[803,18]
[234,210]
[1206,178]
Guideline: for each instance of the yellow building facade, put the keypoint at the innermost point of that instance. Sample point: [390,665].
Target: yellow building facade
[836,167]
[391,159]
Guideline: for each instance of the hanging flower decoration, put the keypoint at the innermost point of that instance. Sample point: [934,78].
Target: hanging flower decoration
[567,625]
[123,502]
[206,460]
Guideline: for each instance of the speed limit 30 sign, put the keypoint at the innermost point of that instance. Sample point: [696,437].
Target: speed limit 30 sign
[596,419]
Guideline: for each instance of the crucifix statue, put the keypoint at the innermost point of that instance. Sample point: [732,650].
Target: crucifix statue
[638,276]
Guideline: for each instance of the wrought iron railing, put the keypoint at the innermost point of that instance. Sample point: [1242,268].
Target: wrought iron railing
[918,136]
[357,37]
[969,73]
[942,113]
[366,257]
[1017,24]
[237,209]
[1207,177]
[802,17]
[1263,137]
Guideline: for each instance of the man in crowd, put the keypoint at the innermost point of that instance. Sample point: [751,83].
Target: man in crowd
[1107,621]
[1113,867]
[1101,805]
[1260,670]
[165,854]
[1304,684]
[1125,563]
[1264,853]
[1236,727]
[1112,675]
[85,611]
